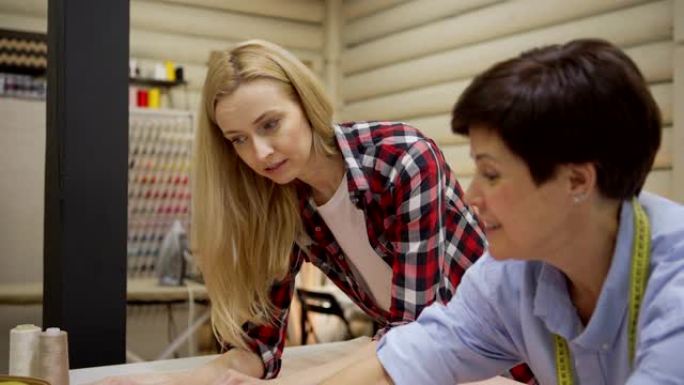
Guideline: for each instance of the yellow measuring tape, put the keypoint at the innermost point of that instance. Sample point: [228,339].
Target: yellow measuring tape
[637,285]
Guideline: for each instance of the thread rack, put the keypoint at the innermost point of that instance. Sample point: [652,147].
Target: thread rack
[160,148]
[23,63]
[23,52]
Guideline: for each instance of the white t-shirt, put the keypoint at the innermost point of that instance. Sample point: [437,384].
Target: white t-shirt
[348,225]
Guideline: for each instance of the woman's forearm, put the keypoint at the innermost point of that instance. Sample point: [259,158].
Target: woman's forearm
[243,361]
[233,361]
[318,374]
[333,369]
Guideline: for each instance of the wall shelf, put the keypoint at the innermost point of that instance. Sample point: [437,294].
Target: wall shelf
[148,82]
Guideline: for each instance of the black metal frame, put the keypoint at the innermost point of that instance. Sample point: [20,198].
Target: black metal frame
[86,178]
[322,303]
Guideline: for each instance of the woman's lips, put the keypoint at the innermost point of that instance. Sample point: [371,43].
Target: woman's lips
[276,166]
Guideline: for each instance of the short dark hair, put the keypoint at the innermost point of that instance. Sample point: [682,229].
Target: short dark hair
[584,101]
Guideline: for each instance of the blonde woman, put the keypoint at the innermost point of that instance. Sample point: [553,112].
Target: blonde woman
[374,205]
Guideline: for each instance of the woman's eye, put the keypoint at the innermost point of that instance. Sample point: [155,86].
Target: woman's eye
[490,176]
[237,140]
[271,124]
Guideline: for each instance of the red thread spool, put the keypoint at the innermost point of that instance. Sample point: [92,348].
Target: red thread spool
[142,98]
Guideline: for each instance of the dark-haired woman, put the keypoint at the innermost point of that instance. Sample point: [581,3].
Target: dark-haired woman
[583,278]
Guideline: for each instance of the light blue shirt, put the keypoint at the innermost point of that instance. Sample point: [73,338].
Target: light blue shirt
[505,311]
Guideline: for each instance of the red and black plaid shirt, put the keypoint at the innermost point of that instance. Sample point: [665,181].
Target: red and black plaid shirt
[416,220]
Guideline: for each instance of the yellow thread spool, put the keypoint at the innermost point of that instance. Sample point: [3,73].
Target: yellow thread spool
[170,70]
[153,98]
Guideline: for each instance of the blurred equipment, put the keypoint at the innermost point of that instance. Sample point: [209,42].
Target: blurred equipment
[173,256]
[321,303]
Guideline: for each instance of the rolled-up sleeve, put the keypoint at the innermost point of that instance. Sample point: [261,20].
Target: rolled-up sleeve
[434,235]
[460,342]
[268,340]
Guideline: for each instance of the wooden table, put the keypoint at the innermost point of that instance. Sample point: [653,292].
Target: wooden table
[295,359]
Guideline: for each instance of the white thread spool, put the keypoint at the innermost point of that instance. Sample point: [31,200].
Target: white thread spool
[23,358]
[54,356]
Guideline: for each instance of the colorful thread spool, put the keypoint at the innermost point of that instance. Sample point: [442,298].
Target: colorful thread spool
[153,98]
[142,98]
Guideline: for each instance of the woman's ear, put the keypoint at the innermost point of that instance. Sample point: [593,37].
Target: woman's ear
[582,180]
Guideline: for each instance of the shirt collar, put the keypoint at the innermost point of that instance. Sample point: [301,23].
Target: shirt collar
[355,175]
[552,301]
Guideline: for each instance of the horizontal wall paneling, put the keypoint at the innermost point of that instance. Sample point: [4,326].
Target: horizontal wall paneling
[507,19]
[358,8]
[406,15]
[299,10]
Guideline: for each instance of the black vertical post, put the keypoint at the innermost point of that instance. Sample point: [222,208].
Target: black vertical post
[86,178]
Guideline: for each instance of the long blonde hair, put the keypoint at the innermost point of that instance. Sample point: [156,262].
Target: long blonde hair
[244,225]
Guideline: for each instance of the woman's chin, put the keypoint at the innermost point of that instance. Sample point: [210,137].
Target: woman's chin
[280,179]
[499,253]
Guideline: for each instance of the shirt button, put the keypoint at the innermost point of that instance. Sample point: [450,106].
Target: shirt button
[317,229]
[605,346]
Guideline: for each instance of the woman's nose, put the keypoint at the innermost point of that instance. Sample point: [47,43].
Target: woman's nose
[262,148]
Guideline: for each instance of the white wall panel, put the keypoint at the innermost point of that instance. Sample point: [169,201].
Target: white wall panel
[678,117]
[678,15]
[660,182]
[431,100]
[663,159]
[439,99]
[654,60]
[653,20]
[662,93]
[190,49]
[22,170]
[438,128]
[173,41]
[186,99]
[177,47]
[678,96]
[194,74]
[219,24]
[405,16]
[301,10]
[359,8]
[458,157]
[23,23]
[332,50]
[24,7]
